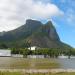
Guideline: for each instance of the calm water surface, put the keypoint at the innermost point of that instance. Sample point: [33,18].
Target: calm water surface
[64,62]
[67,63]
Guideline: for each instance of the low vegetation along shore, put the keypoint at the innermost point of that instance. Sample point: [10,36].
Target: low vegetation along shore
[20,73]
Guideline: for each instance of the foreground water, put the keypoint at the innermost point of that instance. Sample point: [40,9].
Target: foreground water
[64,62]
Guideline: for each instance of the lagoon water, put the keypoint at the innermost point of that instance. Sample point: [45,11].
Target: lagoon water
[65,63]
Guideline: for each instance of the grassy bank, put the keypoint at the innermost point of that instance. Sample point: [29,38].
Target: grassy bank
[11,73]
[51,74]
[19,73]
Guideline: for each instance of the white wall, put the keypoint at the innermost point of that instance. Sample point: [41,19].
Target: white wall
[4,52]
[35,56]
[17,55]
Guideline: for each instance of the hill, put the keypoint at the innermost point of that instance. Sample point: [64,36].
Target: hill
[33,33]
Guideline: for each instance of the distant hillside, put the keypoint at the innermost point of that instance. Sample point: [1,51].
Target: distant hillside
[33,33]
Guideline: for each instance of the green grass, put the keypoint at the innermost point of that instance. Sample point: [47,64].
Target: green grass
[51,74]
[10,73]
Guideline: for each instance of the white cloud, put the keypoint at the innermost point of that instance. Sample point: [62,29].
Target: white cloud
[14,12]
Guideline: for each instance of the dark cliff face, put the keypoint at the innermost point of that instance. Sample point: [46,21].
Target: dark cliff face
[51,31]
[45,36]
[34,32]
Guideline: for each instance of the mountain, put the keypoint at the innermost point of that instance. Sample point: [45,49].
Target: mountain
[33,33]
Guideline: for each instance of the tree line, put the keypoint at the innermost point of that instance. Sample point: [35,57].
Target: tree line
[51,52]
[47,52]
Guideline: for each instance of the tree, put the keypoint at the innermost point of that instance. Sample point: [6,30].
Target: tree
[26,52]
[14,51]
[3,46]
[54,52]
[69,53]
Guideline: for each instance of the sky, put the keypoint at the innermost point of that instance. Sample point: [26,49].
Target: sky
[13,13]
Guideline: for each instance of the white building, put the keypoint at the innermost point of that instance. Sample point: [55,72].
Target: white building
[32,48]
[4,52]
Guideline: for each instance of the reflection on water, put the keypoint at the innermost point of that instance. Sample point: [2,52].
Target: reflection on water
[67,63]
[6,62]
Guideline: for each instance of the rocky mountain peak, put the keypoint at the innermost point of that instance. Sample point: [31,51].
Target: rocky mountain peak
[32,22]
[41,35]
[50,30]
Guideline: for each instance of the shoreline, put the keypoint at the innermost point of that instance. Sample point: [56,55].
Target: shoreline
[38,70]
